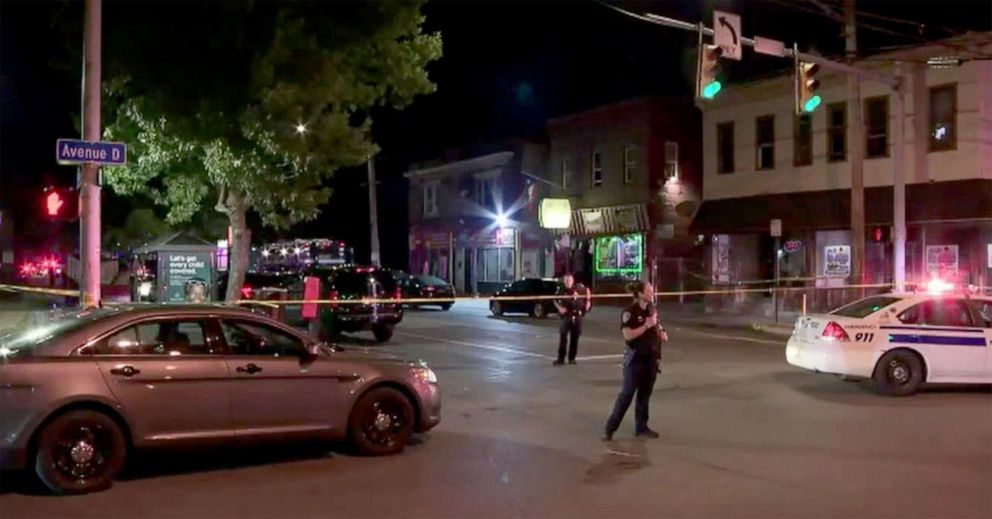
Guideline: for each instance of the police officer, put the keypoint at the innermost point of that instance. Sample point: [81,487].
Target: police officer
[572,308]
[639,323]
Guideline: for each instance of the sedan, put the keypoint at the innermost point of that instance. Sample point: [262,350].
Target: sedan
[438,291]
[81,391]
[528,296]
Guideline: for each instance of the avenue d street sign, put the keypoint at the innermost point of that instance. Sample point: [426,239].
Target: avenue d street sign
[72,151]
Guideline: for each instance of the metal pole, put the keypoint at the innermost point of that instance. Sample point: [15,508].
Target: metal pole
[373,213]
[89,187]
[778,274]
[899,187]
[857,147]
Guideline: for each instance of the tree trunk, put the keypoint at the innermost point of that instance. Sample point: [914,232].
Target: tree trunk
[240,243]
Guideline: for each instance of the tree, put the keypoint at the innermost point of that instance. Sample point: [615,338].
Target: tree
[141,227]
[274,98]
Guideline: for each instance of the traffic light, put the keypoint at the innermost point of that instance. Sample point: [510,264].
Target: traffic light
[60,203]
[806,97]
[707,69]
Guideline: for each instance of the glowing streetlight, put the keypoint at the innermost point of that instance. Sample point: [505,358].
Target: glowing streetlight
[501,220]
[301,128]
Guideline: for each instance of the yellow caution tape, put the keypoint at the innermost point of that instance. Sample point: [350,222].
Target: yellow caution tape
[37,290]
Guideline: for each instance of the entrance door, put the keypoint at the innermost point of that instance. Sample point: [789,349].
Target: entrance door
[460,269]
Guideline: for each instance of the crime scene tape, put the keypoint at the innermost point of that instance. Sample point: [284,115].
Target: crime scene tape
[38,290]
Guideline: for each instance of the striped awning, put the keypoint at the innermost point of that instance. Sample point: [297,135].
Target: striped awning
[618,219]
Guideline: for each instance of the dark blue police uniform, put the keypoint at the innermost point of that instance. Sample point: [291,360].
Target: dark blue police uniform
[574,305]
[640,369]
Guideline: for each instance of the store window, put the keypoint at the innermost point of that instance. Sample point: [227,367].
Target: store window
[495,265]
[619,256]
[943,106]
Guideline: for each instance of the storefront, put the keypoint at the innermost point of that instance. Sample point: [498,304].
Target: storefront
[605,246]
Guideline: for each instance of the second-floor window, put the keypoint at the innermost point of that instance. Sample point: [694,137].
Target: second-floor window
[566,172]
[430,199]
[671,160]
[877,124]
[765,152]
[803,147]
[725,148]
[943,105]
[484,192]
[628,164]
[597,168]
[837,132]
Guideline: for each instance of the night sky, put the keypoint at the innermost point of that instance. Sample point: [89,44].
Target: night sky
[507,67]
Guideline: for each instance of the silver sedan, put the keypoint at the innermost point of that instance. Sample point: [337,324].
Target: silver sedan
[81,391]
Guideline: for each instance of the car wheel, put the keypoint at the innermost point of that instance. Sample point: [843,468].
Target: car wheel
[446,307]
[497,308]
[381,422]
[539,311]
[382,333]
[79,452]
[898,373]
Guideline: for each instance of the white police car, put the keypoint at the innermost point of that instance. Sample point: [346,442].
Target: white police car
[899,341]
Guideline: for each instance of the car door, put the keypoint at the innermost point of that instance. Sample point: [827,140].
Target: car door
[278,386]
[169,376]
[944,332]
[981,311]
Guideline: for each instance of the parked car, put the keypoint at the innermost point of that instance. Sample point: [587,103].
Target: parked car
[83,391]
[355,283]
[438,290]
[522,289]
[262,285]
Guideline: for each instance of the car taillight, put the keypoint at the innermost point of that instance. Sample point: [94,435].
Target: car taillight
[333,295]
[246,291]
[833,332]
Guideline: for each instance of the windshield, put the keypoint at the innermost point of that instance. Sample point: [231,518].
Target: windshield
[40,327]
[865,307]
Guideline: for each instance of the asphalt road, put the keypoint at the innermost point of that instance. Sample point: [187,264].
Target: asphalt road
[742,435]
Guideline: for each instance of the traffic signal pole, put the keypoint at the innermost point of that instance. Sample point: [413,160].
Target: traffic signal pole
[89,187]
[895,82]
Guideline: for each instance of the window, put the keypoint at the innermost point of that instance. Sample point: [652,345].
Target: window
[597,168]
[430,199]
[982,311]
[566,172]
[943,108]
[248,338]
[764,129]
[484,192]
[725,148]
[837,132]
[943,312]
[803,145]
[865,307]
[628,164]
[671,160]
[495,265]
[169,337]
[877,123]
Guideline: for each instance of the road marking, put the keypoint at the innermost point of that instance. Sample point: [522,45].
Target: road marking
[492,347]
[733,337]
[600,357]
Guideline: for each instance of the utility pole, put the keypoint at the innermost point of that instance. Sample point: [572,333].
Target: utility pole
[89,186]
[856,135]
[373,213]
[899,184]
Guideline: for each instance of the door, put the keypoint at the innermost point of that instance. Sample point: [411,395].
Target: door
[278,388]
[460,270]
[981,311]
[170,378]
[945,332]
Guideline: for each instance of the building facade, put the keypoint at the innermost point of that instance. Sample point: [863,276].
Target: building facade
[473,222]
[632,173]
[762,163]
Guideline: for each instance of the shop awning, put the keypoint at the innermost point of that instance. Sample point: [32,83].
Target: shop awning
[962,200]
[618,219]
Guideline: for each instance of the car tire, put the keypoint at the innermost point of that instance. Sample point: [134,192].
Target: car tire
[497,308]
[446,306]
[69,439]
[382,333]
[898,373]
[539,311]
[381,422]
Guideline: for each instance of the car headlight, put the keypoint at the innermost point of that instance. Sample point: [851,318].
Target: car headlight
[426,374]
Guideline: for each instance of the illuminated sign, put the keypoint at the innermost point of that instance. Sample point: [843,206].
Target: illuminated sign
[619,255]
[54,203]
[556,213]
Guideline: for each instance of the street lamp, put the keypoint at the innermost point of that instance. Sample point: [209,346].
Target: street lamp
[501,220]
[301,128]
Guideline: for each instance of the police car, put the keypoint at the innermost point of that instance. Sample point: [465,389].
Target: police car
[900,341]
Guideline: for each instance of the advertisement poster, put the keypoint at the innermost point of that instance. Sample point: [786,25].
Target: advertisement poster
[187,277]
[721,259]
[837,260]
[942,260]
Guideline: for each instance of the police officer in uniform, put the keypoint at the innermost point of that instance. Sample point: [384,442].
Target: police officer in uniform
[572,308]
[639,323]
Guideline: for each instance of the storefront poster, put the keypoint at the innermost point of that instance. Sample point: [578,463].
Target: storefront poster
[837,260]
[942,260]
[187,277]
[721,259]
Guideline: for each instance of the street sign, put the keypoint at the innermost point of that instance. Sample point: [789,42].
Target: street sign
[72,151]
[769,46]
[727,34]
[776,228]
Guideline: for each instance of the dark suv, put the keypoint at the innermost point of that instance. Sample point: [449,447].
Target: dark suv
[355,283]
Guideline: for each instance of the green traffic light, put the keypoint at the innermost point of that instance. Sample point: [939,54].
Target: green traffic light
[711,90]
[812,103]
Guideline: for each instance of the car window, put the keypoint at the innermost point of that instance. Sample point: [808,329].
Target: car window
[865,307]
[942,312]
[160,337]
[982,310]
[248,338]
[432,281]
